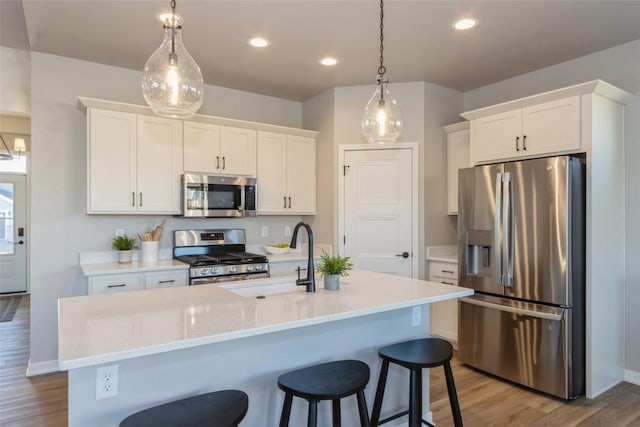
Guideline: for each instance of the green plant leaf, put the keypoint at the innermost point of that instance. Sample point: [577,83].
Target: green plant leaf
[334,264]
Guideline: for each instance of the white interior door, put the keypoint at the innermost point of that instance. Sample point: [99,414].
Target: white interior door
[13,242]
[379,205]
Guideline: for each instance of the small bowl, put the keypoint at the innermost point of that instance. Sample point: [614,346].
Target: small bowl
[273,250]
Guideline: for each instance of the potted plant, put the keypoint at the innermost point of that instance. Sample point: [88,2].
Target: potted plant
[331,268]
[124,244]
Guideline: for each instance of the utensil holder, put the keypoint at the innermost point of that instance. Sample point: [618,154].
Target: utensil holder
[149,251]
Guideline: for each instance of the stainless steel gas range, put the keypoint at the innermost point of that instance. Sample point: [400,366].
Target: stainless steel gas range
[217,256]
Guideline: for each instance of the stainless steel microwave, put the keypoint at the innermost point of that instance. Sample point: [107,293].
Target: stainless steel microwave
[216,196]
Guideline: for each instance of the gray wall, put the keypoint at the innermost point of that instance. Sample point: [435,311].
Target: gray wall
[619,66]
[60,229]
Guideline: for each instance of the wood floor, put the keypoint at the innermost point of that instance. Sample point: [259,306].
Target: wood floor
[485,401]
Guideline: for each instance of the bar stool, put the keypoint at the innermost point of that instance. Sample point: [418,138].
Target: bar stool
[416,355]
[224,408]
[327,381]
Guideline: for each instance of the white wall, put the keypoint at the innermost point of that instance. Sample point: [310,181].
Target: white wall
[620,66]
[60,229]
[15,89]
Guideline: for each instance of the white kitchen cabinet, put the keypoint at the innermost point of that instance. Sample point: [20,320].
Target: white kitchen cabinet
[114,283]
[543,129]
[214,149]
[444,315]
[134,163]
[286,173]
[165,279]
[457,158]
[110,283]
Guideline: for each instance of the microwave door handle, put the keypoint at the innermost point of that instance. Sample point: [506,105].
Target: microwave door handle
[496,229]
[239,195]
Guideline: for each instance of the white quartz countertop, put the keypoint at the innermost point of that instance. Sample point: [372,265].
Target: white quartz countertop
[132,267]
[100,329]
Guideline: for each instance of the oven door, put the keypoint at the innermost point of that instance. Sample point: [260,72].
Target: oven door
[228,278]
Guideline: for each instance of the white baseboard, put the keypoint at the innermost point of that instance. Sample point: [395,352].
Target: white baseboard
[632,377]
[46,367]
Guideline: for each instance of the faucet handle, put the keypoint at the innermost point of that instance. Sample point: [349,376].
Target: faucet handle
[298,269]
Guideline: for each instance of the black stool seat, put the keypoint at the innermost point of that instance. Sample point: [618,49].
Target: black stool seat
[224,408]
[423,353]
[328,381]
[416,355]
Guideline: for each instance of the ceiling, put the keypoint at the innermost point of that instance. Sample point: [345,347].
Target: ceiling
[512,38]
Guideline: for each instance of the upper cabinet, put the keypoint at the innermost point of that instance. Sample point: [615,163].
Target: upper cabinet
[215,149]
[134,163]
[457,158]
[286,174]
[546,128]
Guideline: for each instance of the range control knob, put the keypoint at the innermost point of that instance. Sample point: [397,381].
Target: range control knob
[250,268]
[233,269]
[204,271]
[214,269]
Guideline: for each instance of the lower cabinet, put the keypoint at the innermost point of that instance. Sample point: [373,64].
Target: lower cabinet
[444,315]
[111,283]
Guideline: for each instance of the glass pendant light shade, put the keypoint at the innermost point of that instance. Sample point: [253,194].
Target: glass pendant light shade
[381,120]
[172,82]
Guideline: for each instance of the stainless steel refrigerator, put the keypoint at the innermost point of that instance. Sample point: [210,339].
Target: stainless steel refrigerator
[521,246]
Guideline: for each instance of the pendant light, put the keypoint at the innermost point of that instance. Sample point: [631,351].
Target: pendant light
[172,82]
[382,120]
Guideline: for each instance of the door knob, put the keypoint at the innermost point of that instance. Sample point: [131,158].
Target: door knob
[19,242]
[404,255]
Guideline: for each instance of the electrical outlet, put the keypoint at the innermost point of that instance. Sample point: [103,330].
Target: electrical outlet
[287,231]
[119,232]
[265,231]
[416,316]
[107,381]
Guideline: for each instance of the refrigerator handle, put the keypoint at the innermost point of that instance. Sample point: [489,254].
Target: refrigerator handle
[506,220]
[509,229]
[496,230]
[514,310]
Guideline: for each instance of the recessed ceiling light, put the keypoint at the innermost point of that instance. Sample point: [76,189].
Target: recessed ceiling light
[328,61]
[465,24]
[259,42]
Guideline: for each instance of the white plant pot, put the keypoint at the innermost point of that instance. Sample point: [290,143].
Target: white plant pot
[124,257]
[332,282]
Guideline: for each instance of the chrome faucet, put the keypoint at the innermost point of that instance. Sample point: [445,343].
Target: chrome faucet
[310,280]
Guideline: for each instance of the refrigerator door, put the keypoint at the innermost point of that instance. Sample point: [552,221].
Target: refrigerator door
[538,228]
[522,342]
[480,231]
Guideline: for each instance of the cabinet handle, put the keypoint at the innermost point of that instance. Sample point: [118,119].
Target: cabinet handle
[217,162]
[517,143]
[446,283]
[140,199]
[448,271]
[224,162]
[121,285]
[524,142]
[285,202]
[289,202]
[133,198]
[166,281]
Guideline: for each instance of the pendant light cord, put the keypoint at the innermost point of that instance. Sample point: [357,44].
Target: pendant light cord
[381,69]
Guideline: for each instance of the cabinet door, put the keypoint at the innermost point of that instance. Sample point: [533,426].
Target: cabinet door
[111,162]
[114,283]
[159,165]
[237,151]
[165,279]
[496,137]
[444,315]
[201,147]
[457,158]
[271,176]
[552,127]
[301,175]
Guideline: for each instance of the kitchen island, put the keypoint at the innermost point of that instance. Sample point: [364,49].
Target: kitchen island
[175,342]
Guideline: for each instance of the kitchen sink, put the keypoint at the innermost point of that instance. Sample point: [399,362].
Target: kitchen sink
[264,288]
